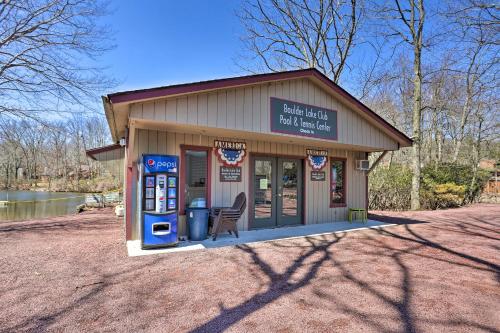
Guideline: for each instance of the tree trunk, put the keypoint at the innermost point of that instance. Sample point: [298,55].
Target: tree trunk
[476,153]
[439,140]
[417,109]
[461,130]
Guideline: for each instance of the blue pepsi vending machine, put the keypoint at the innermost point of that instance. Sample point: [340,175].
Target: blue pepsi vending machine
[159,200]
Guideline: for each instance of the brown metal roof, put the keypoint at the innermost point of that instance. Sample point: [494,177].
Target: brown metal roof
[91,152]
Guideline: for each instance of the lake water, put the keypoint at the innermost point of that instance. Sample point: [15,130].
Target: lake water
[27,205]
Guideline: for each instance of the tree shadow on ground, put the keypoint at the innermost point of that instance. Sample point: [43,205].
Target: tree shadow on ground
[402,305]
[394,219]
[73,223]
[413,244]
[420,239]
[41,323]
[280,283]
[452,225]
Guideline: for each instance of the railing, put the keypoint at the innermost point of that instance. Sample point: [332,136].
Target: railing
[101,199]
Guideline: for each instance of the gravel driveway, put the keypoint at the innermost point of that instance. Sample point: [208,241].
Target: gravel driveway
[438,271]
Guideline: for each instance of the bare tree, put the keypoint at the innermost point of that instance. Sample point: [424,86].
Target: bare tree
[47,55]
[405,19]
[296,34]
[476,26]
[54,150]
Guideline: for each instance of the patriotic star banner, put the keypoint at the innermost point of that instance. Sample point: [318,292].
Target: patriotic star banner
[230,153]
[317,158]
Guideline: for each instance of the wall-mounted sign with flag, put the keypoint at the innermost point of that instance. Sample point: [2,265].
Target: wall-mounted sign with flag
[317,158]
[230,153]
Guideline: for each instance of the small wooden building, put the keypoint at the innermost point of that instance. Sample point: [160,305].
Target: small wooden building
[303,144]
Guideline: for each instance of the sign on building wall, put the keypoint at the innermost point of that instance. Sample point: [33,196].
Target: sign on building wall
[160,163]
[318,176]
[230,153]
[317,158]
[302,119]
[230,174]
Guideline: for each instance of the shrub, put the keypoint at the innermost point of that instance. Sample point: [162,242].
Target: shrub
[450,173]
[99,184]
[446,195]
[443,186]
[389,188]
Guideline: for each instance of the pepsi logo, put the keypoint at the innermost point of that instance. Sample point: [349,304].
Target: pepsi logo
[160,164]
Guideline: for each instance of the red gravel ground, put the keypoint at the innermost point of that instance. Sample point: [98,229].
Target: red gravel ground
[436,272]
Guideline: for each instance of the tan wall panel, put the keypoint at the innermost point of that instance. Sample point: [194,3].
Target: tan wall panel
[112,161]
[160,110]
[212,109]
[247,108]
[317,195]
[221,117]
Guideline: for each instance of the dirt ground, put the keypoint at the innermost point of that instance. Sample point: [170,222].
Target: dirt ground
[436,272]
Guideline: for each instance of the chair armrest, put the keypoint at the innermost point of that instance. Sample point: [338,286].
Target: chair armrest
[215,210]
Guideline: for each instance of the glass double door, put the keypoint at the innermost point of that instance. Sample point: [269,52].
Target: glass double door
[277,192]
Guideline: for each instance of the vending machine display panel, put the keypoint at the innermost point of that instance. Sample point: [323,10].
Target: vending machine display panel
[159,204]
[149,204]
[150,181]
[172,204]
[172,182]
[150,193]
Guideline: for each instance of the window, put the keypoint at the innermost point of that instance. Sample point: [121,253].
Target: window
[195,177]
[337,182]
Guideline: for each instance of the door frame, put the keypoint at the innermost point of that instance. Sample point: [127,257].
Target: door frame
[182,175]
[300,185]
[251,204]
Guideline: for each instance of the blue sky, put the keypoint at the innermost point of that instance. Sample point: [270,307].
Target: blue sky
[166,42]
[162,42]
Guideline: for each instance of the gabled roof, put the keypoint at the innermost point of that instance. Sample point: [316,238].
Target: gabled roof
[165,91]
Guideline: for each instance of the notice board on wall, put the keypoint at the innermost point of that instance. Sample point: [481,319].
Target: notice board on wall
[230,174]
[318,176]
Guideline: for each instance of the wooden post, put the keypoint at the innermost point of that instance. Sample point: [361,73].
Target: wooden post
[377,161]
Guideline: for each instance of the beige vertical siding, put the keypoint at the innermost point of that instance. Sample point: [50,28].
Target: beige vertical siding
[317,205]
[112,162]
[247,109]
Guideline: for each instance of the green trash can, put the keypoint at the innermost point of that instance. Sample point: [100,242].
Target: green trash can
[197,221]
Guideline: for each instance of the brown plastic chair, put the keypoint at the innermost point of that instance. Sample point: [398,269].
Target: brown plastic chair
[225,218]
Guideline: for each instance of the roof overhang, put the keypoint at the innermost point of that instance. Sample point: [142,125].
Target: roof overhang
[119,101]
[94,151]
